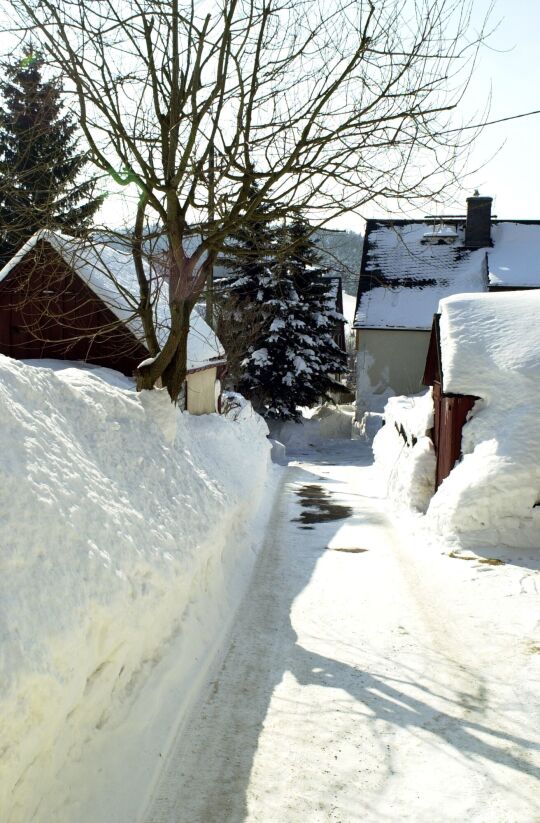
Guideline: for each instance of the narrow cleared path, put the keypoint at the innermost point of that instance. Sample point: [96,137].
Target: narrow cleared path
[367,679]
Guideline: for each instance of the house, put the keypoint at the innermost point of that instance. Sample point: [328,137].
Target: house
[408,266]
[64,299]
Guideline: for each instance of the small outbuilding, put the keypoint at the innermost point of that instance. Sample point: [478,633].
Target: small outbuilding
[485,348]
[449,410]
[68,300]
[467,452]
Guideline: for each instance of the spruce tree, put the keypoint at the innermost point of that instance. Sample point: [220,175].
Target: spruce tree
[276,369]
[248,254]
[40,160]
[317,293]
[280,317]
[263,318]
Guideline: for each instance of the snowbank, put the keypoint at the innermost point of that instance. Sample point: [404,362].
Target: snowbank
[120,516]
[490,346]
[317,424]
[490,349]
[335,421]
[404,451]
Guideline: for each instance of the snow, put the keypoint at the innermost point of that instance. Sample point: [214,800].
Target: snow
[404,451]
[371,677]
[259,357]
[349,307]
[108,270]
[128,531]
[448,232]
[490,348]
[405,278]
[514,260]
[490,344]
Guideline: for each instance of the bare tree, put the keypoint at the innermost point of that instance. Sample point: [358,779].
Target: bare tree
[326,106]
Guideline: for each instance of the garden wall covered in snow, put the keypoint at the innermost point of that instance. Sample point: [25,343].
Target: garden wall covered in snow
[490,349]
[128,531]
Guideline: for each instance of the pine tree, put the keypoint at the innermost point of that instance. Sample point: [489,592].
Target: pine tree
[316,290]
[241,316]
[40,162]
[280,318]
[262,318]
[276,369]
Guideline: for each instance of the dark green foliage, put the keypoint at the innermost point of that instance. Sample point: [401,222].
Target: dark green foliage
[40,162]
[281,316]
[318,291]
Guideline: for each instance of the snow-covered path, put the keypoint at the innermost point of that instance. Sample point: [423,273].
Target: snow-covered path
[368,679]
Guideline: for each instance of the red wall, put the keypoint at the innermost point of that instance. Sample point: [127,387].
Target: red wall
[46,310]
[450,417]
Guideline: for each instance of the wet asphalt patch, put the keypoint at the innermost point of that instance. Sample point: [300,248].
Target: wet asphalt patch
[318,507]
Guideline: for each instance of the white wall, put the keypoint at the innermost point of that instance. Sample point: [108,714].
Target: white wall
[201,398]
[389,362]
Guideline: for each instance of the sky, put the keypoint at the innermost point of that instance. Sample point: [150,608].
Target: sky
[505,155]
[504,160]
[511,67]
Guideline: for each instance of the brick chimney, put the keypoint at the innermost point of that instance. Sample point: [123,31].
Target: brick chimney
[478,226]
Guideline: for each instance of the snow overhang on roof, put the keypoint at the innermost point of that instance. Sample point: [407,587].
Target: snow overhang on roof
[490,339]
[109,272]
[403,278]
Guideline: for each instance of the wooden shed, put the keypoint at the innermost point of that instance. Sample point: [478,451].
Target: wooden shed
[66,300]
[450,410]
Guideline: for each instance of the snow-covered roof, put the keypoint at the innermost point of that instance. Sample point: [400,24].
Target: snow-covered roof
[514,260]
[490,343]
[109,271]
[408,267]
[404,278]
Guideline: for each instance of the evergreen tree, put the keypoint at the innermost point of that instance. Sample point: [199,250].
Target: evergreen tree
[316,289]
[40,162]
[276,369]
[279,325]
[248,254]
[262,317]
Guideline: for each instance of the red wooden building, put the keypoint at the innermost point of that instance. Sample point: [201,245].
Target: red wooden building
[48,310]
[450,410]
[66,300]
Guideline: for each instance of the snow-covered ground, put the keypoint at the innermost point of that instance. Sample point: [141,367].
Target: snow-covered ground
[371,673]
[371,677]
[128,532]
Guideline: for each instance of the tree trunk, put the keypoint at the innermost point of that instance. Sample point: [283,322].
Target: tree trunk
[170,365]
[175,372]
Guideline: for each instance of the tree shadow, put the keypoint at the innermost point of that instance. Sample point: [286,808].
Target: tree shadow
[215,767]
